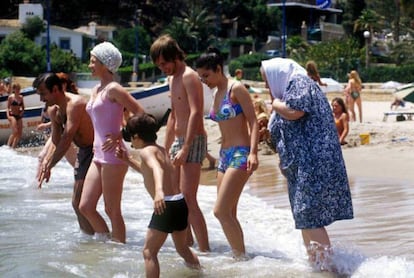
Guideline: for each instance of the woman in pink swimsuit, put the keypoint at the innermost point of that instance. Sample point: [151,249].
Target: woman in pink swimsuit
[106,173]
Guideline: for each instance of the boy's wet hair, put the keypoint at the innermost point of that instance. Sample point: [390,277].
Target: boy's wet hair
[168,48]
[144,125]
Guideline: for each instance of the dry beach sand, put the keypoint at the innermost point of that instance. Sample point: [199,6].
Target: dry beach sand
[389,153]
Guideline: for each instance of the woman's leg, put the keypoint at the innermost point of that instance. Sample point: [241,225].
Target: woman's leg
[351,108]
[318,246]
[230,186]
[13,125]
[92,191]
[19,132]
[112,185]
[359,104]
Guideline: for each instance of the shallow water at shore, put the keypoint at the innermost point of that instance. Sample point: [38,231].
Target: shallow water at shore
[40,235]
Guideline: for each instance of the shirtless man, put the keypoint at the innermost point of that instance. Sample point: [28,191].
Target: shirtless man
[70,122]
[185,135]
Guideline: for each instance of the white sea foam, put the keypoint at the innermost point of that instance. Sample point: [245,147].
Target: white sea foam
[40,237]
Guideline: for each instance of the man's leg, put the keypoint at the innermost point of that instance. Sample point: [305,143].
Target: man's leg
[153,242]
[179,238]
[84,224]
[189,181]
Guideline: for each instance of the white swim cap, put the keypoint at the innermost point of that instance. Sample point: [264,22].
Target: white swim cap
[109,55]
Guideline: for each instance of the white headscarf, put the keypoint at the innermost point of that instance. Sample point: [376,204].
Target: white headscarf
[279,71]
[109,55]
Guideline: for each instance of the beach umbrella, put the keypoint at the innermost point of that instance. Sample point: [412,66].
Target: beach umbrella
[405,92]
[333,85]
[390,85]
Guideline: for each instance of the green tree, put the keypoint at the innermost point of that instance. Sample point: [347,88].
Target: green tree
[335,58]
[402,53]
[391,10]
[296,48]
[368,20]
[352,10]
[408,8]
[201,24]
[33,27]
[125,40]
[63,61]
[181,31]
[21,56]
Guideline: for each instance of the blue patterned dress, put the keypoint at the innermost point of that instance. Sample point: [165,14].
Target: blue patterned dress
[311,158]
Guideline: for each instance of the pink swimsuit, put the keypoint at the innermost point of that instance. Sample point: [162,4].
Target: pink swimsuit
[106,117]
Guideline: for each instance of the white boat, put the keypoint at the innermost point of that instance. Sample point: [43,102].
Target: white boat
[154,99]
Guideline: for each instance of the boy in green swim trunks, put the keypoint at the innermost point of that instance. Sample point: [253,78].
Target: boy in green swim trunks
[170,209]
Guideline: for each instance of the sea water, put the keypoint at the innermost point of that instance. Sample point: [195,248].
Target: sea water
[40,237]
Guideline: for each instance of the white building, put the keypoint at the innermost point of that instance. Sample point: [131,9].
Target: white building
[66,39]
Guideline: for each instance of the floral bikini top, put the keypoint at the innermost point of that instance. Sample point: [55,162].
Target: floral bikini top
[227,109]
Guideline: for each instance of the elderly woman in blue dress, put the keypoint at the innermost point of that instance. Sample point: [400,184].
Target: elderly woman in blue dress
[303,131]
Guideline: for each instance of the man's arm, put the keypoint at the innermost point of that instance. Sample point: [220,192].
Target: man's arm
[122,154]
[74,112]
[150,159]
[194,92]
[61,140]
[169,131]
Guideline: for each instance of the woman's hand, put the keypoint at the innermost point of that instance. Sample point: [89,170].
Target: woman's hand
[252,163]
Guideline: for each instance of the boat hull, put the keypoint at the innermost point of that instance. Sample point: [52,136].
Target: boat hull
[31,118]
[155,100]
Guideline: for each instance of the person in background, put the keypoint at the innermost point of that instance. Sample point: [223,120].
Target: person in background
[353,95]
[7,85]
[341,118]
[70,123]
[238,74]
[15,111]
[170,209]
[232,108]
[3,89]
[185,138]
[262,116]
[106,173]
[313,73]
[303,132]
[67,83]
[397,103]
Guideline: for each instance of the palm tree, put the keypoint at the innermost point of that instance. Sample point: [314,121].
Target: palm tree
[200,23]
[181,31]
[368,20]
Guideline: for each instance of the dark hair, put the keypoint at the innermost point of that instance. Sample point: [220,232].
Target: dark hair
[341,103]
[145,126]
[210,59]
[50,79]
[168,48]
[70,85]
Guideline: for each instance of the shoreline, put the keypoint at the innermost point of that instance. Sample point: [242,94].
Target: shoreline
[387,156]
